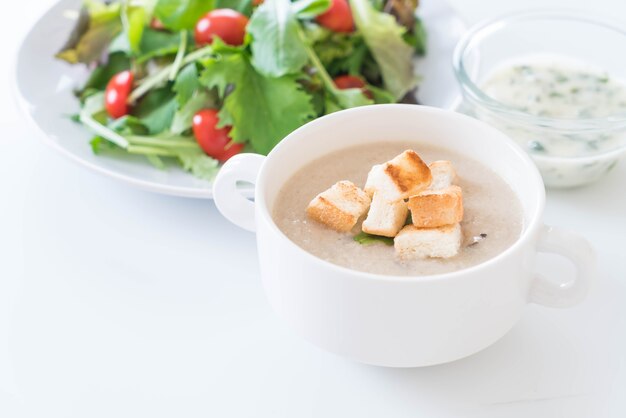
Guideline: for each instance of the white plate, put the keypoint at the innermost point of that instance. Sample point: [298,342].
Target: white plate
[44,88]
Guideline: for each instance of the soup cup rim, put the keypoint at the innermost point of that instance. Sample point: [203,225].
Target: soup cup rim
[528,231]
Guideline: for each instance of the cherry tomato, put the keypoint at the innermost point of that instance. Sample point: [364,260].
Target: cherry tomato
[228,24]
[257,2]
[338,17]
[352,82]
[231,150]
[213,140]
[116,94]
[156,24]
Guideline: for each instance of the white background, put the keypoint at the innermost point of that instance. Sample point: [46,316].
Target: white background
[120,303]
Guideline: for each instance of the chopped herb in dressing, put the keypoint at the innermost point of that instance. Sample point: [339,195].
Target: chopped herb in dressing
[558,90]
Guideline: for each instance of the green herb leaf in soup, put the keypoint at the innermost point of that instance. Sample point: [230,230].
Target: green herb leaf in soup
[364,238]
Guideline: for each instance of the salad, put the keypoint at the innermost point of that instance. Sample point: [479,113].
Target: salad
[198,81]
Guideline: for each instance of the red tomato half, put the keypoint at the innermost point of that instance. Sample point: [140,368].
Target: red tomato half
[213,140]
[156,24]
[338,17]
[228,24]
[352,82]
[116,94]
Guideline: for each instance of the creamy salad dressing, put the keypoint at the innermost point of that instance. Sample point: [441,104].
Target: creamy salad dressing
[491,208]
[564,89]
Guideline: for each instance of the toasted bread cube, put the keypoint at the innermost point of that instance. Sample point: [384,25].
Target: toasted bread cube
[339,207]
[403,176]
[385,218]
[433,208]
[443,174]
[414,243]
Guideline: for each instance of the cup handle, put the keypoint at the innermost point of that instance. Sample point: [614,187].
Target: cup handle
[229,201]
[578,250]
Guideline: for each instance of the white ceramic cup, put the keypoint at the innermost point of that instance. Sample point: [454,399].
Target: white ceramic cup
[391,320]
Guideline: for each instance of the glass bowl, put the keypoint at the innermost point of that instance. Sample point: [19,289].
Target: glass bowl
[568,151]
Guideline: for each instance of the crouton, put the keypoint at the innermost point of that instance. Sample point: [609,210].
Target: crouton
[385,218]
[433,208]
[443,174]
[403,176]
[413,242]
[339,207]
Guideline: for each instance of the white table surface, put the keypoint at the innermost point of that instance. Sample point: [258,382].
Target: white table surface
[120,303]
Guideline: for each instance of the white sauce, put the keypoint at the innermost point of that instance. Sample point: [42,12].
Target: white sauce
[568,90]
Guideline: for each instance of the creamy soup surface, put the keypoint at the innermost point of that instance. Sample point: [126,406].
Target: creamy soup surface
[491,208]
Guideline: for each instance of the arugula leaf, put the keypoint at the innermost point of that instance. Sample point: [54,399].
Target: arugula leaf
[384,37]
[242,6]
[156,110]
[97,25]
[157,43]
[277,47]
[181,14]
[364,238]
[186,84]
[262,110]
[308,9]
[101,75]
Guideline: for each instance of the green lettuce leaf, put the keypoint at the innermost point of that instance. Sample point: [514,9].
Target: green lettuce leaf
[181,14]
[242,6]
[384,38]
[277,47]
[156,43]
[262,110]
[101,75]
[186,84]
[308,9]
[156,110]
[134,20]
